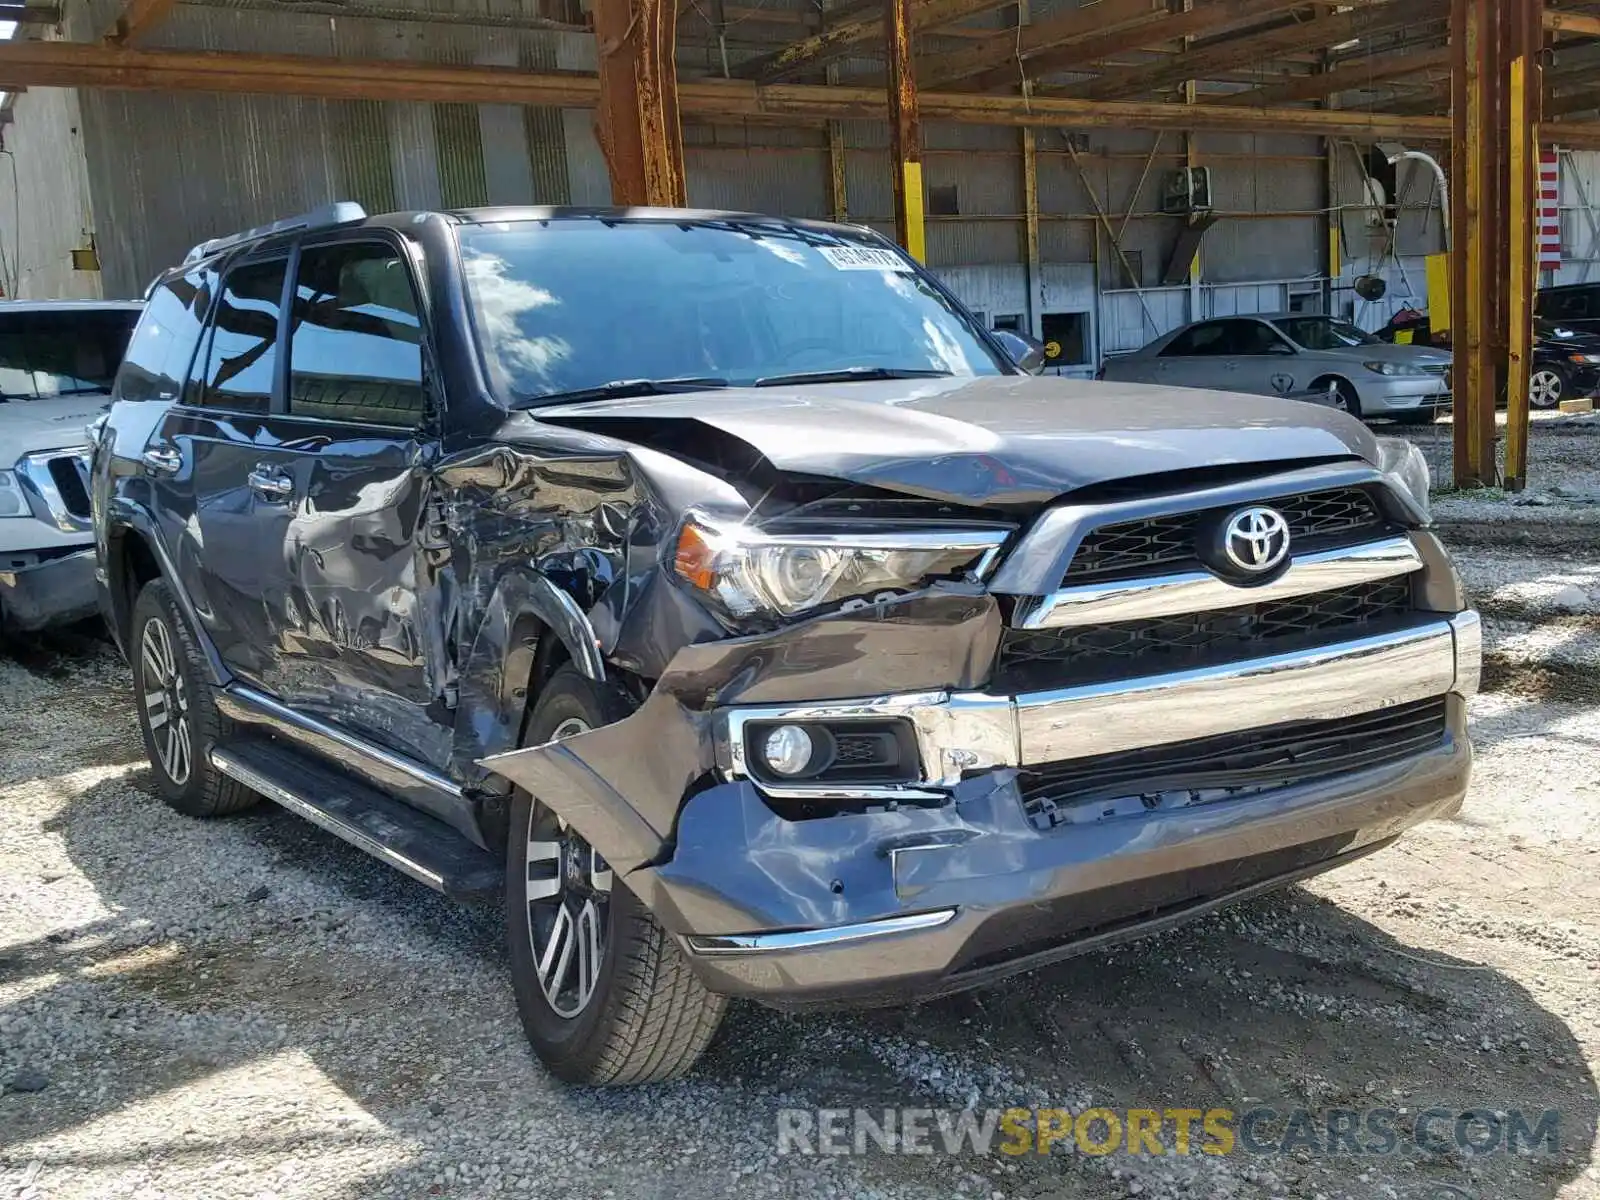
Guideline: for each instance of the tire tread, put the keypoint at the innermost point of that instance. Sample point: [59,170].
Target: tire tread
[218,794]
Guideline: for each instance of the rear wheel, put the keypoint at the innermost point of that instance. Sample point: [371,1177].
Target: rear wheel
[177,714]
[605,994]
[1547,387]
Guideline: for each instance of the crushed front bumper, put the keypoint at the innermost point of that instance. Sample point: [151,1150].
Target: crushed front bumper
[54,591]
[897,901]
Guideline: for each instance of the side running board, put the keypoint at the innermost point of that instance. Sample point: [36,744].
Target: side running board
[426,849]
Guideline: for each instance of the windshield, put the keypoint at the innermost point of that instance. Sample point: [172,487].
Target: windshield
[61,352]
[1323,333]
[575,304]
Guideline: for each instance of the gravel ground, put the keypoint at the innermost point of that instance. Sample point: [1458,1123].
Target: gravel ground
[248,1009]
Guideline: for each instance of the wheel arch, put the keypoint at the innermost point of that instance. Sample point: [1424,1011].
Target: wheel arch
[134,555]
[1330,379]
[530,628]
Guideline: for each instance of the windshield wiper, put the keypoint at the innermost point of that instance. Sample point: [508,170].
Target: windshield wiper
[851,374]
[619,389]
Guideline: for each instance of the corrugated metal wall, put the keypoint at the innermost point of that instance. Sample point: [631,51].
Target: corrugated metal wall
[44,206]
[168,171]
[1580,217]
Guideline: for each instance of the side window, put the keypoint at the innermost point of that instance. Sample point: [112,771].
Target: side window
[355,346]
[1254,337]
[1564,306]
[243,358]
[1198,341]
[163,344]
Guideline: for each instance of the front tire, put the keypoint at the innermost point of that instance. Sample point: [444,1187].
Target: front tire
[1547,387]
[178,714]
[605,994]
[1345,397]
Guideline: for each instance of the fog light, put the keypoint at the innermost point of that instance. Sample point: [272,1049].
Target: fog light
[788,750]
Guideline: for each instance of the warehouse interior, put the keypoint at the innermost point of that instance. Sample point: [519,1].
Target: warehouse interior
[1095,174]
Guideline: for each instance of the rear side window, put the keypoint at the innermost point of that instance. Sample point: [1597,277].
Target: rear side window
[1562,306]
[243,359]
[1200,340]
[163,345]
[355,345]
[61,352]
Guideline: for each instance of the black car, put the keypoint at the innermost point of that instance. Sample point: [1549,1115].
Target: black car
[715,590]
[1574,306]
[1566,359]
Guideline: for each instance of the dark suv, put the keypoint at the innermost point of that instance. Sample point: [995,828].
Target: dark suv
[714,588]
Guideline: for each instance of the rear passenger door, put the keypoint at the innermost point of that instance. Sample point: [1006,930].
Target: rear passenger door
[1195,358]
[355,446]
[226,539]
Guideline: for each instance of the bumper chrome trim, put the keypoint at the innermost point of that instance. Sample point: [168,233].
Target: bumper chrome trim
[806,939]
[1201,591]
[1336,681]
[962,733]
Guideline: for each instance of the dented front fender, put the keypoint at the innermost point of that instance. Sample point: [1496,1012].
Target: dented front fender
[623,787]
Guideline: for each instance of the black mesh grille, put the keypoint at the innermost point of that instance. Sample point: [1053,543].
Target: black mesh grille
[1230,766]
[67,474]
[1317,521]
[1034,659]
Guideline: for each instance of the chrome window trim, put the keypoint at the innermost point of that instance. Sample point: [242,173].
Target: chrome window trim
[1040,560]
[1200,591]
[974,731]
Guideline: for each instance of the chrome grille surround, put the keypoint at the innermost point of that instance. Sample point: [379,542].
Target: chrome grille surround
[43,475]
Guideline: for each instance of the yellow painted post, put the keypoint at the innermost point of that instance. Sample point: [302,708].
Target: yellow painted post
[1438,268]
[1519,333]
[905,130]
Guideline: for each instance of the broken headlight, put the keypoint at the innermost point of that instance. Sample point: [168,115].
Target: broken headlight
[13,503]
[747,572]
[1405,464]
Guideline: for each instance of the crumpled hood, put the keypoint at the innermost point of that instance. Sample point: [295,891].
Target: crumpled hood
[29,425]
[1010,439]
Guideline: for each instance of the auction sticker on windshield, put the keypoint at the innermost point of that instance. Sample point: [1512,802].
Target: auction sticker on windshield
[864,258]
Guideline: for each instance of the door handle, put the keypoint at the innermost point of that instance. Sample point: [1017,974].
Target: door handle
[163,459]
[270,484]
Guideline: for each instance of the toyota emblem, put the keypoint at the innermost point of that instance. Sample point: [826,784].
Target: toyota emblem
[1255,540]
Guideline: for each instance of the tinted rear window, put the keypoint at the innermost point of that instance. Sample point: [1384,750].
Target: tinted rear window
[65,352]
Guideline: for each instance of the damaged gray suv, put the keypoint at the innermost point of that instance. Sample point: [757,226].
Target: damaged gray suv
[714,589]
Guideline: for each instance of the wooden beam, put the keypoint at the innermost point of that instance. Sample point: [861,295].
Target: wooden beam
[1347,78]
[1062,29]
[1522,110]
[1573,99]
[68,64]
[1204,62]
[31,14]
[1574,24]
[841,39]
[637,123]
[905,130]
[1092,34]
[138,17]
[1471,75]
[1576,135]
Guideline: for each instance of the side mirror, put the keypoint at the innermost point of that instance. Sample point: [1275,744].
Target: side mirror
[1027,353]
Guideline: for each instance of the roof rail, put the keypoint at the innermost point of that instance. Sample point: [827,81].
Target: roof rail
[341,212]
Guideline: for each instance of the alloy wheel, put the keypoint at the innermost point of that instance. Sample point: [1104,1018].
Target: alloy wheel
[166,702]
[569,895]
[1544,389]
